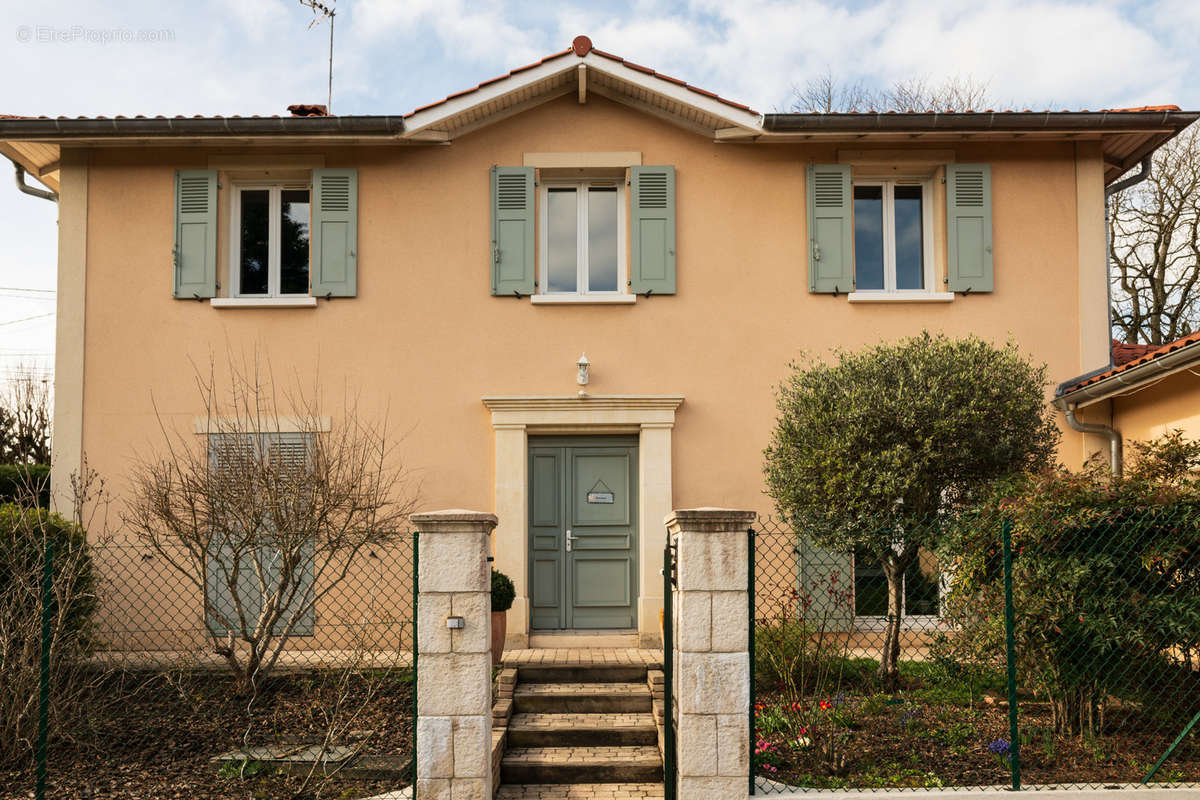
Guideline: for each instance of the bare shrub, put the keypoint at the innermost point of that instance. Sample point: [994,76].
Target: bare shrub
[269,512]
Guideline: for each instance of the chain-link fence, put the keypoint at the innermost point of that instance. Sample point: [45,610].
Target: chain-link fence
[887,667]
[202,675]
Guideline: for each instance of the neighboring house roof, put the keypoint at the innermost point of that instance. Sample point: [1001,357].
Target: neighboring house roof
[1125,135]
[1123,352]
[1153,363]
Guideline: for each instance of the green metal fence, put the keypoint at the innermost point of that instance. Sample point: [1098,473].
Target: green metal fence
[152,701]
[1029,650]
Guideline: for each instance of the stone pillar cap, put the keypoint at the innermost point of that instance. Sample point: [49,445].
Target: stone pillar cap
[454,515]
[708,516]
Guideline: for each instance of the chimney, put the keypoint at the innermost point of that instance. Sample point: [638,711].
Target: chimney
[308,110]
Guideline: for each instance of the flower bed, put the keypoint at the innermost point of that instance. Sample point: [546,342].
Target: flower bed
[931,734]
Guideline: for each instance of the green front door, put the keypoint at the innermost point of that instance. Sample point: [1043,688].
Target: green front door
[583,532]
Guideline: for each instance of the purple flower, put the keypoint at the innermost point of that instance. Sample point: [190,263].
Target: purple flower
[1000,747]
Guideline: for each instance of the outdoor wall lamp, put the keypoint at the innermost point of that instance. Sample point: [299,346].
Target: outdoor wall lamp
[583,365]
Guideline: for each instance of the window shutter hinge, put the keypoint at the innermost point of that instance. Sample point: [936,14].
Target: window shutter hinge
[495,255]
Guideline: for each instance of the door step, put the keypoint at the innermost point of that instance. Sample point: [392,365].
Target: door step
[575,639]
[639,764]
[581,698]
[583,673]
[581,730]
[582,791]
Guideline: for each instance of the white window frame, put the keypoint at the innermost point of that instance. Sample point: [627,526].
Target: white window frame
[274,215]
[917,622]
[889,238]
[581,186]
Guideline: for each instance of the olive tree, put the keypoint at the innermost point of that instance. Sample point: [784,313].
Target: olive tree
[870,450]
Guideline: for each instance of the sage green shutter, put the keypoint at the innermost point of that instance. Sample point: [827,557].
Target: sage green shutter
[234,549]
[652,212]
[512,231]
[826,579]
[334,241]
[195,252]
[969,227]
[830,229]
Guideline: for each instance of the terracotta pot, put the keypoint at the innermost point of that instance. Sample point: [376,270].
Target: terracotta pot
[499,630]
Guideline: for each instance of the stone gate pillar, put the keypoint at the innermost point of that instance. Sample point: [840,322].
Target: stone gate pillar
[712,673]
[454,697]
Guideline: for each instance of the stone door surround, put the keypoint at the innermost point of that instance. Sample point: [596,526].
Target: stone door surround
[514,419]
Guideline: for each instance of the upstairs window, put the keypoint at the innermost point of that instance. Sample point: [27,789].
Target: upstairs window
[892,236]
[582,237]
[271,240]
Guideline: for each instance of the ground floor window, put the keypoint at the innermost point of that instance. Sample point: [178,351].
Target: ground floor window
[921,595]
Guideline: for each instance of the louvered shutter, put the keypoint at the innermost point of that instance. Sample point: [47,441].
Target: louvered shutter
[229,453]
[823,575]
[229,549]
[652,214]
[334,241]
[195,252]
[512,231]
[292,453]
[969,228]
[830,229]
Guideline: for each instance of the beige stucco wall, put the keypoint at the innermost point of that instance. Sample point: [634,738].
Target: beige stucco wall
[1172,403]
[425,340]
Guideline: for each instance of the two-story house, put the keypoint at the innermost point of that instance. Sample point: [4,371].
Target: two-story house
[453,264]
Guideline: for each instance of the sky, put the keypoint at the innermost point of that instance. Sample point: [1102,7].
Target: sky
[390,56]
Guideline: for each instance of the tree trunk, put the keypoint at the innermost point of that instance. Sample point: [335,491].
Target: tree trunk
[889,659]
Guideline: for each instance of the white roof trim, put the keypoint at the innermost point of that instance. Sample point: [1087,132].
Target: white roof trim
[438,115]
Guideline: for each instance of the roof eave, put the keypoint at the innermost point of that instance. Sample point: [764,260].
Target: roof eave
[1128,379]
[66,130]
[1064,121]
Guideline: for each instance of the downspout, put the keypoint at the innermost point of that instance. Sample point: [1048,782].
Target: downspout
[1116,446]
[45,194]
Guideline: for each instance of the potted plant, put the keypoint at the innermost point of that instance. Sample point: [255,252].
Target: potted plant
[503,594]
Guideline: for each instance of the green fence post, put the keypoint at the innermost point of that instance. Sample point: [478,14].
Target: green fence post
[44,681]
[1170,750]
[1010,645]
[415,587]
[750,592]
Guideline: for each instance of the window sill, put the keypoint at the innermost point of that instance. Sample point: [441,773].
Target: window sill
[263,302]
[900,297]
[582,299]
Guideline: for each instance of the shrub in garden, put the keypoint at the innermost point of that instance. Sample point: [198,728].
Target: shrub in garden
[21,482]
[503,591]
[1105,576]
[867,452]
[24,534]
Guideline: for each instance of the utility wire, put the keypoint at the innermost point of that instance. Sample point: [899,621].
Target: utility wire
[27,319]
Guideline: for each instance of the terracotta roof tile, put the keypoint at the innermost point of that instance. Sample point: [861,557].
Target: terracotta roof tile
[1137,361]
[1123,352]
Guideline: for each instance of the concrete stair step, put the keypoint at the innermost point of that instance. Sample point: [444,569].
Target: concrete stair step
[581,791]
[638,764]
[561,730]
[582,673]
[581,698]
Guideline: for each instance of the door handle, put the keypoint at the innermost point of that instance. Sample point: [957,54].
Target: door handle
[570,539]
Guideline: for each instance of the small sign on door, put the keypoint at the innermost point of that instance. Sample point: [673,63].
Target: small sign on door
[600,497]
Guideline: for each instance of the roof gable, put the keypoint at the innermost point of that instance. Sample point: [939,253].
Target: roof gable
[582,70]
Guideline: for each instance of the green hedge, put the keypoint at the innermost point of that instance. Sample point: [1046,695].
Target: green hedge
[16,478]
